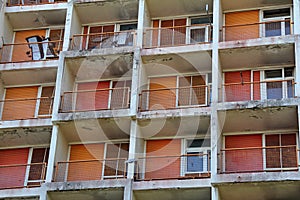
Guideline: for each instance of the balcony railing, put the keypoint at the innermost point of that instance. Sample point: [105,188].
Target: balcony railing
[22,175]
[33,51]
[177,36]
[103,40]
[30,108]
[172,98]
[256,30]
[87,170]
[258,90]
[31,2]
[259,159]
[93,100]
[190,166]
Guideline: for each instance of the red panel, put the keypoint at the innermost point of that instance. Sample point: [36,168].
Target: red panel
[239,88]
[243,160]
[155,33]
[92,97]
[13,176]
[164,167]
[256,86]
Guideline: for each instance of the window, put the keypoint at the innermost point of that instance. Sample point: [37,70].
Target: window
[200,30]
[116,155]
[279,83]
[197,156]
[277,22]
[280,151]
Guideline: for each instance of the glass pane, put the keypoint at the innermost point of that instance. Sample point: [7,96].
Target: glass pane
[273,29]
[194,163]
[290,89]
[277,13]
[198,143]
[287,28]
[274,90]
[202,20]
[127,27]
[197,35]
[273,73]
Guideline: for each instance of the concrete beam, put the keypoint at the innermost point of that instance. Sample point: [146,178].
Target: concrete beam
[35,8]
[26,123]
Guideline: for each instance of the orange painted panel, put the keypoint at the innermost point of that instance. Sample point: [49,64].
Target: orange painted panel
[89,170]
[13,176]
[163,167]
[162,99]
[19,108]
[243,160]
[20,51]
[238,91]
[155,33]
[95,98]
[249,28]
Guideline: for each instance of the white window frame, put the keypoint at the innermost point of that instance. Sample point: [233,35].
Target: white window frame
[199,150]
[263,27]
[282,78]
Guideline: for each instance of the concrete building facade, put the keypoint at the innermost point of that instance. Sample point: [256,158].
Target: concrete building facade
[145,99]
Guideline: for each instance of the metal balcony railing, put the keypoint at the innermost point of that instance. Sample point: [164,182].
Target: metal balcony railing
[93,100]
[33,51]
[22,175]
[172,98]
[31,2]
[87,170]
[190,166]
[177,36]
[258,159]
[258,90]
[256,30]
[103,40]
[29,108]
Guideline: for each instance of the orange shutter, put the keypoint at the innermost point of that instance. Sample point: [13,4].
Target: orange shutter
[256,86]
[19,107]
[160,166]
[92,96]
[235,31]
[91,169]
[162,99]
[20,51]
[239,88]
[243,160]
[13,176]
[155,33]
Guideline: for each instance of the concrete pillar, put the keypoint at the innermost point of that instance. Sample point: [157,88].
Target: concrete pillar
[52,152]
[128,193]
[144,20]
[215,193]
[296,14]
[297,65]
[134,99]
[132,150]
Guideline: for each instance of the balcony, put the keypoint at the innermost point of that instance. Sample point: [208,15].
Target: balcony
[26,108]
[173,98]
[94,100]
[258,90]
[32,2]
[33,50]
[22,175]
[259,159]
[190,166]
[103,40]
[87,170]
[256,30]
[177,36]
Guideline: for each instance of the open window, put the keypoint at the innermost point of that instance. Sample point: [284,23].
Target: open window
[279,83]
[276,22]
[197,157]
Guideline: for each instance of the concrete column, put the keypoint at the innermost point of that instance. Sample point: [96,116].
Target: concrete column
[297,65]
[132,150]
[298,153]
[215,193]
[134,98]
[128,193]
[296,15]
[144,21]
[52,152]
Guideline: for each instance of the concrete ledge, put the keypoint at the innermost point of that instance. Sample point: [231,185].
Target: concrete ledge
[169,184]
[26,123]
[29,65]
[278,40]
[258,104]
[41,7]
[255,177]
[91,115]
[23,192]
[97,52]
[83,185]
[182,112]
[177,49]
